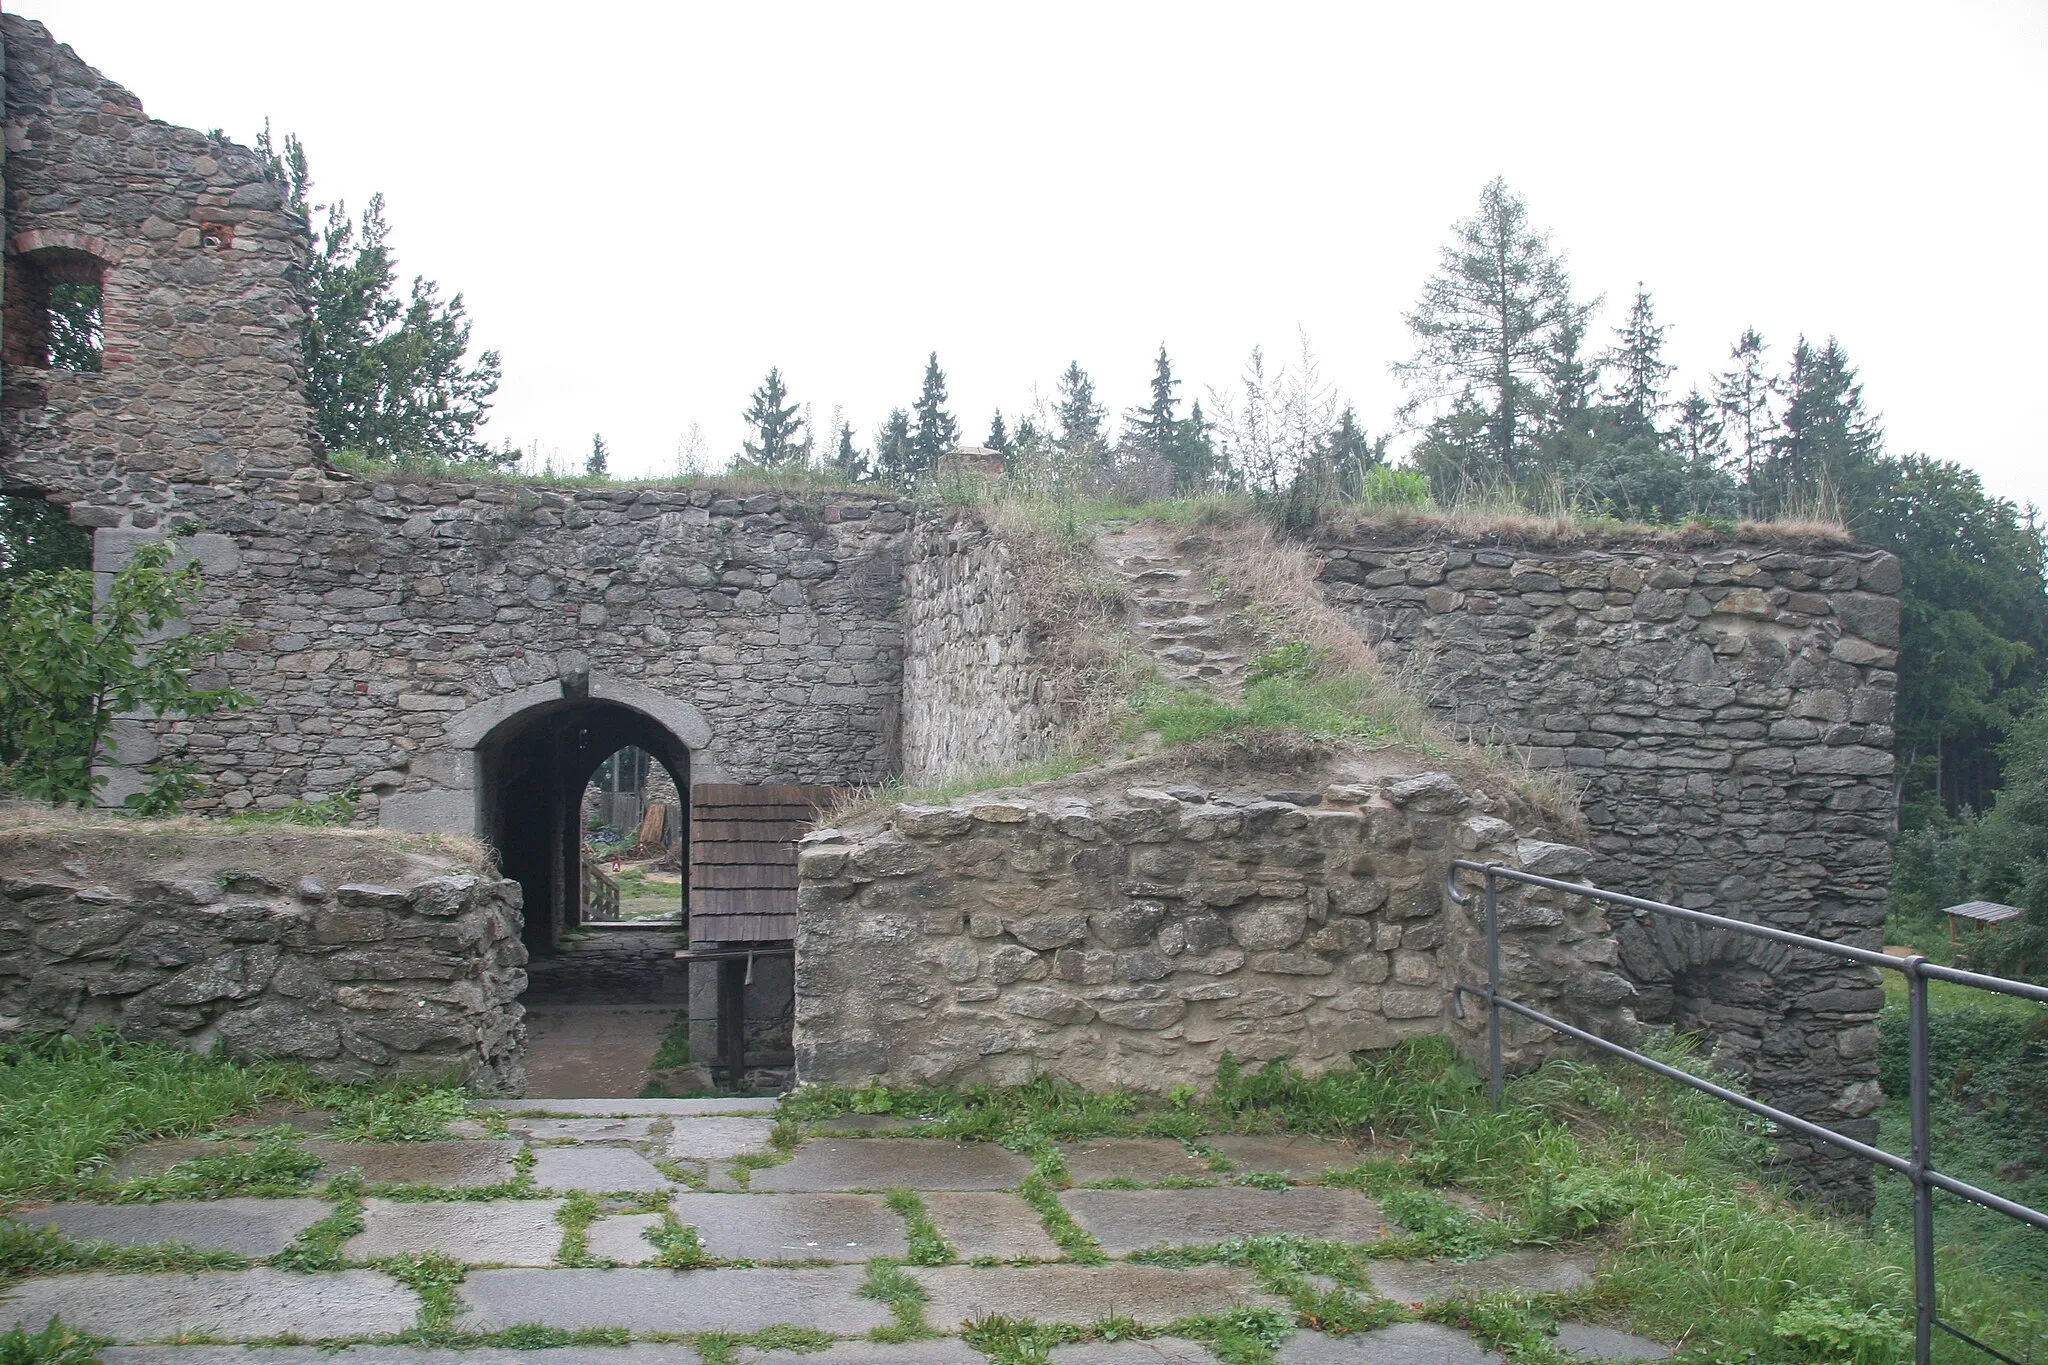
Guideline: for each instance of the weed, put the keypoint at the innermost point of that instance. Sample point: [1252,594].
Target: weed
[276,1165]
[532,1336]
[433,1276]
[338,809]
[1262,1180]
[886,1283]
[27,1250]
[1075,1242]
[578,1211]
[318,1247]
[1831,1328]
[1440,1228]
[676,1244]
[1018,1341]
[55,1344]
[1242,1336]
[928,1246]
[1515,1324]
[803,1340]
[394,1116]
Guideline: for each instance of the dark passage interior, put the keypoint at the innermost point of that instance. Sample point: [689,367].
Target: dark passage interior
[602,993]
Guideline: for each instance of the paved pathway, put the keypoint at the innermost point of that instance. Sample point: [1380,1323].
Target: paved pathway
[550,1217]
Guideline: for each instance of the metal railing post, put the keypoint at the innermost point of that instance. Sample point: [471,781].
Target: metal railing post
[1923,1160]
[1493,987]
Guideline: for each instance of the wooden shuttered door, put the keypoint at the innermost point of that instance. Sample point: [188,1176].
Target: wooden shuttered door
[743,859]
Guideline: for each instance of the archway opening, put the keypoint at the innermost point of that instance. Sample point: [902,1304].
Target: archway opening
[603,992]
[633,848]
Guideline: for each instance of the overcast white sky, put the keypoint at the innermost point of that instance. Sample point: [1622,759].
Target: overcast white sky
[647,205]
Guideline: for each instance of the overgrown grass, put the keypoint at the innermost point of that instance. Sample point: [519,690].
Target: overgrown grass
[1324,709]
[275,1166]
[928,1246]
[26,1249]
[905,1298]
[52,1344]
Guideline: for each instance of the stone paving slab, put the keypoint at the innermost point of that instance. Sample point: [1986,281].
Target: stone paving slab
[671,1300]
[253,1227]
[878,1163]
[1607,1343]
[1536,1270]
[649,1108]
[596,1169]
[583,1130]
[1142,1159]
[223,1303]
[794,1227]
[639,1353]
[502,1232]
[426,1163]
[1081,1294]
[310,1121]
[867,1123]
[990,1223]
[1158,1351]
[1124,1221]
[1405,1343]
[719,1138]
[944,1351]
[621,1238]
[1299,1155]
[154,1158]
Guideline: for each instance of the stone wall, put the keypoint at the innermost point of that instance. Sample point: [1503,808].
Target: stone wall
[1727,710]
[1133,938]
[356,954]
[973,700]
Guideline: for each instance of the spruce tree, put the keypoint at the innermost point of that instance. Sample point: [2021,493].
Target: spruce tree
[598,465]
[778,432]
[1640,373]
[1155,427]
[935,432]
[1827,443]
[1487,327]
[847,461]
[999,439]
[1080,416]
[895,452]
[1742,396]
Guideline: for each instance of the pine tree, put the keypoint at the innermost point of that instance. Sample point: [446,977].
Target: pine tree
[1743,396]
[1827,443]
[895,452]
[1699,438]
[1349,454]
[1154,426]
[847,461]
[598,466]
[1637,361]
[999,438]
[1569,423]
[778,432]
[935,432]
[1487,326]
[1080,417]
[1194,457]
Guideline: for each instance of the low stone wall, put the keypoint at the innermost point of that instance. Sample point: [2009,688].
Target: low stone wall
[1135,938]
[356,954]
[973,702]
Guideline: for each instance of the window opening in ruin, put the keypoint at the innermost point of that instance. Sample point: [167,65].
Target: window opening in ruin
[632,822]
[36,535]
[55,316]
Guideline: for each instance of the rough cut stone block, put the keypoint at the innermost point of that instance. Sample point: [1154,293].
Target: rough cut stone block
[1069,1293]
[426,1163]
[1607,1343]
[989,1223]
[879,1163]
[583,1130]
[1533,1270]
[1158,1351]
[253,1227]
[794,1227]
[1405,1343]
[622,1240]
[713,1139]
[1146,1160]
[597,1169]
[671,1301]
[236,1304]
[1287,1153]
[1124,1221]
[944,1351]
[502,1232]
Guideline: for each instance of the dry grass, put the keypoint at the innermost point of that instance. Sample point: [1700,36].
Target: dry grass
[25,824]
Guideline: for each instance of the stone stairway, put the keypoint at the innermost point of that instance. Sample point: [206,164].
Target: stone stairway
[1173,611]
[540,1219]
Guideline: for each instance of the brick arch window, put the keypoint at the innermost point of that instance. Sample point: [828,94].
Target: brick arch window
[55,301]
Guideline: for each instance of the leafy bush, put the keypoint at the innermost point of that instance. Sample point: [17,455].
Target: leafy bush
[1828,1328]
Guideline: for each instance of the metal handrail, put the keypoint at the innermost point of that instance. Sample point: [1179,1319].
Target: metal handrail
[1918,971]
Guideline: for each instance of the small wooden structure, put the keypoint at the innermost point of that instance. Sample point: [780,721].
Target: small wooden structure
[743,892]
[597,894]
[1981,913]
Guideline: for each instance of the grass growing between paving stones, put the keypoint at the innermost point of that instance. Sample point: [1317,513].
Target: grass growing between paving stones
[676,1244]
[719,1348]
[928,1246]
[275,1167]
[905,1298]
[319,1246]
[579,1210]
[1284,1265]
[55,1344]
[1668,1187]
[29,1250]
